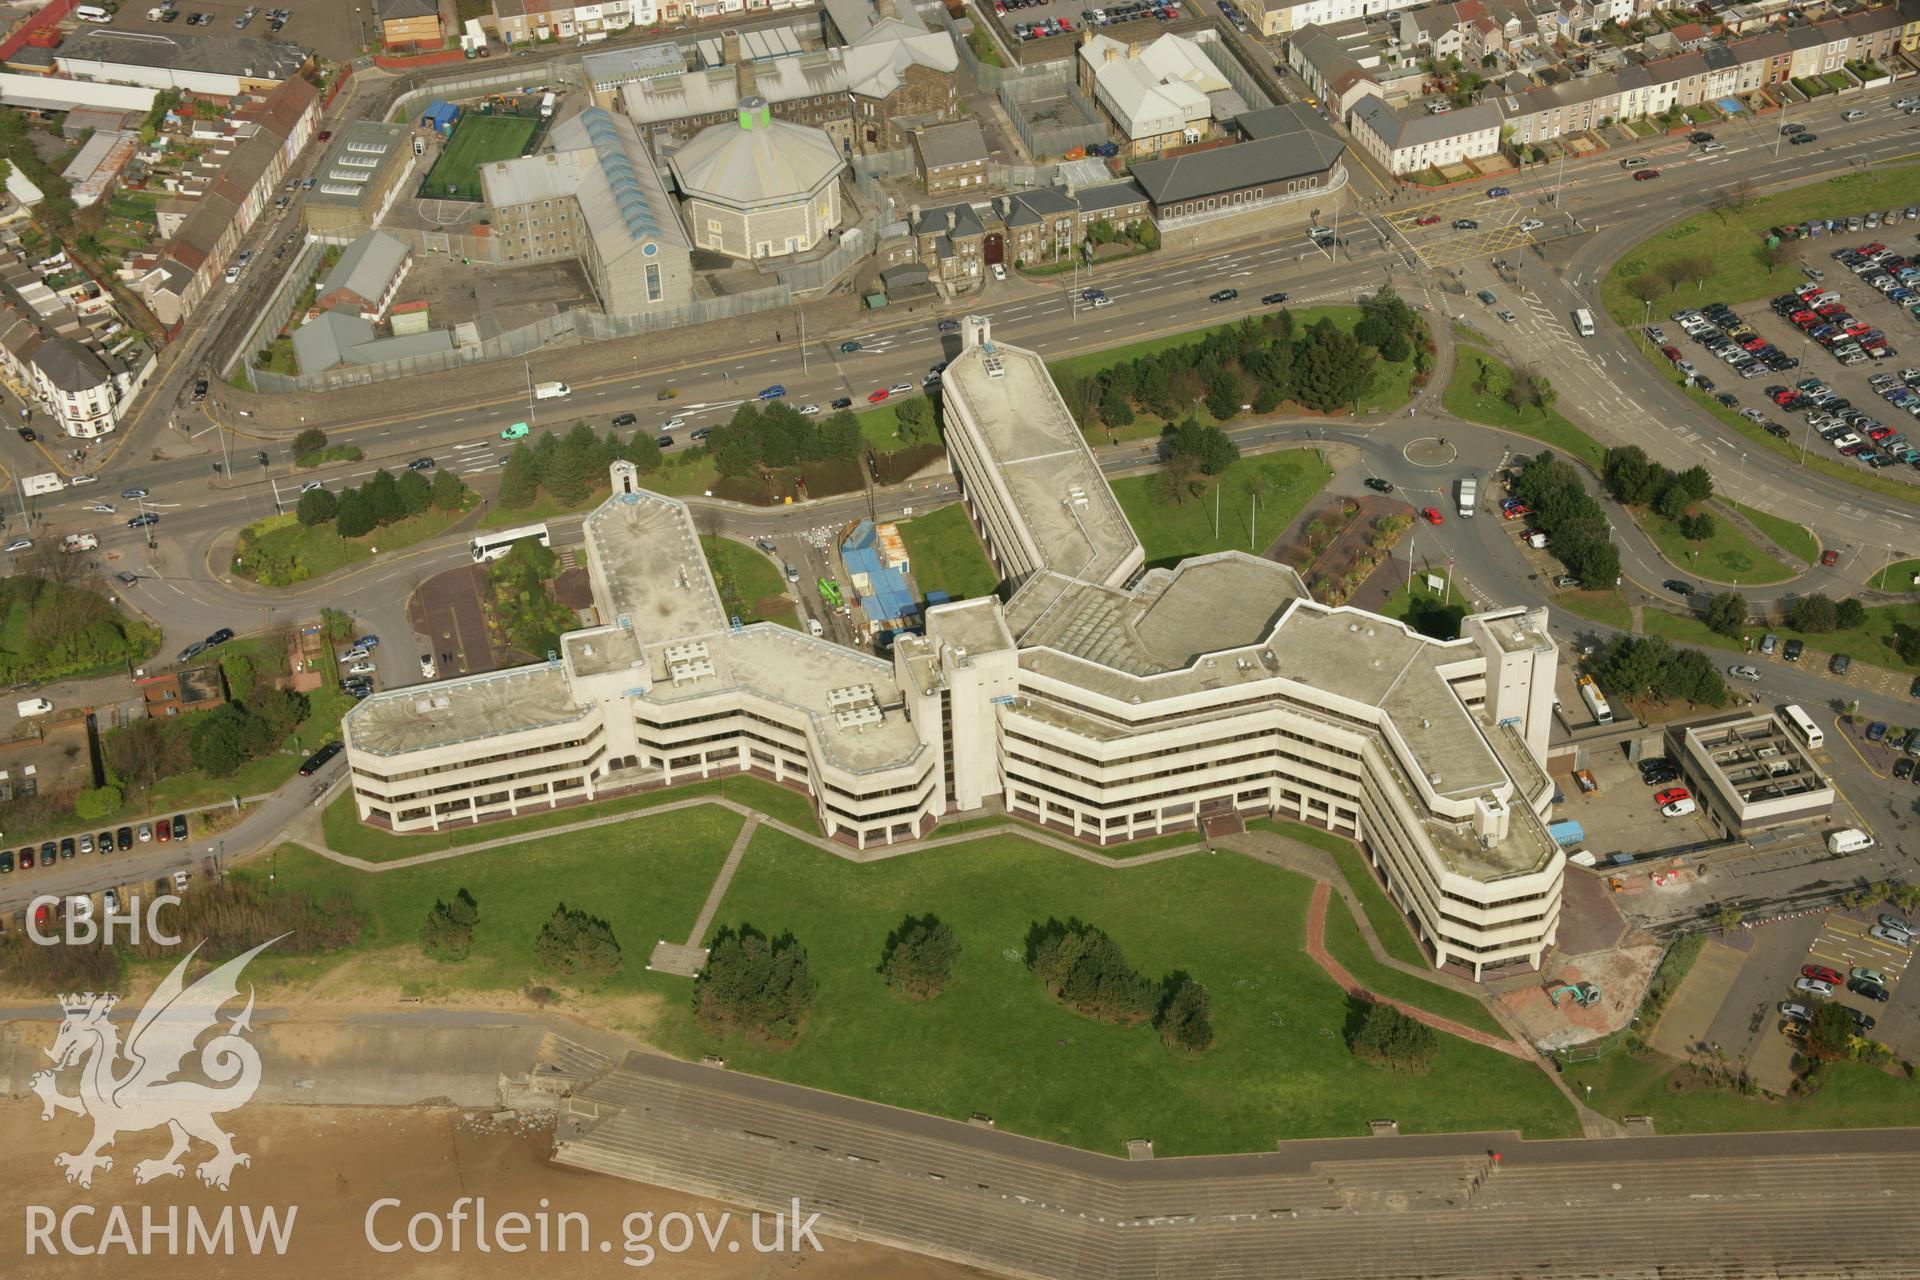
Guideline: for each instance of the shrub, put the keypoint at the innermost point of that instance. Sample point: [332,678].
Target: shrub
[96,803]
[1185,1019]
[448,932]
[1086,970]
[577,945]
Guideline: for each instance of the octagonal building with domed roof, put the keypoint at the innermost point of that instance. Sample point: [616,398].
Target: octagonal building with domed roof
[759,187]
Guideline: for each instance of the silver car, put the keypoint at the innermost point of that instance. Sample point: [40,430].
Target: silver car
[1892,937]
[1740,671]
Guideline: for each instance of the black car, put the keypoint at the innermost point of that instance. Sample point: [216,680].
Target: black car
[1223,295]
[1728,399]
[1903,768]
[1799,138]
[844,402]
[143,520]
[29,434]
[1678,586]
[314,761]
[1871,990]
[1465,224]
[665,442]
[1699,136]
[1792,652]
[1273,299]
[179,826]
[67,847]
[1773,428]
[6,861]
[421,464]
[1839,663]
[851,345]
[1913,690]
[192,651]
[624,420]
[221,636]
[199,390]
[123,839]
[1862,1022]
[949,326]
[1378,485]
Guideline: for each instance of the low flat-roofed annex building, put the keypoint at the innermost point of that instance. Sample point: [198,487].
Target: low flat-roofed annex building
[1098,697]
[1751,772]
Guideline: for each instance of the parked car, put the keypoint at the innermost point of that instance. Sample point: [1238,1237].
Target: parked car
[1814,987]
[1829,976]
[1378,485]
[1892,937]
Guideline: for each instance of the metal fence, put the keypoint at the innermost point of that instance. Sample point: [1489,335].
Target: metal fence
[985,76]
[592,326]
[278,311]
[1252,90]
[855,247]
[1069,120]
[1019,176]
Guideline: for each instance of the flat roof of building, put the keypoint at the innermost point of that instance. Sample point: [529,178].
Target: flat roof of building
[1035,446]
[356,162]
[1756,759]
[471,709]
[241,56]
[652,573]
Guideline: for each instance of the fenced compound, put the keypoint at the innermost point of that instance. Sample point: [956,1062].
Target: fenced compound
[477,140]
[1050,114]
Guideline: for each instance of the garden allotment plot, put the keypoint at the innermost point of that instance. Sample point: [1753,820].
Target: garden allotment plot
[476,140]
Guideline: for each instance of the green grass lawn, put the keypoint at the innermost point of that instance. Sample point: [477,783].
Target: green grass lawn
[1389,925]
[1172,533]
[476,140]
[946,555]
[1550,428]
[647,879]
[1733,241]
[1853,1096]
[1794,539]
[1607,607]
[1685,629]
[994,1042]
[346,834]
[1872,642]
[280,551]
[752,588]
[1898,576]
[1729,556]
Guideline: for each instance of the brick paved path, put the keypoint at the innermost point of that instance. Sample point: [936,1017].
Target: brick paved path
[1317,948]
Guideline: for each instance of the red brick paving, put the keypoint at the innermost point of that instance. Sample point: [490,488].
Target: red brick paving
[1317,948]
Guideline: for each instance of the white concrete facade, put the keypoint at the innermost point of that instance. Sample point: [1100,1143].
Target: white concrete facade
[1096,698]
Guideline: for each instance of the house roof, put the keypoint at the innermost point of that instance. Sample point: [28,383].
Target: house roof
[699,93]
[756,160]
[342,337]
[877,62]
[366,267]
[230,55]
[1110,196]
[70,366]
[946,144]
[1274,159]
[398,10]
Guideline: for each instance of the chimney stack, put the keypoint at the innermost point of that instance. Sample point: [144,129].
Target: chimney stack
[746,76]
[884,8]
[730,47]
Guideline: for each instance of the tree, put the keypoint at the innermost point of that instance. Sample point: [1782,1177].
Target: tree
[919,957]
[1695,482]
[95,804]
[1849,614]
[1115,409]
[317,506]
[519,481]
[353,514]
[1389,1038]
[1830,1038]
[915,418]
[1649,285]
[312,440]
[1727,614]
[415,492]
[1632,477]
[1084,969]
[577,945]
[448,931]
[1698,526]
[1178,479]
[1331,369]
[1210,447]
[1772,254]
[754,985]
[1815,614]
[383,497]
[448,491]
[643,451]
[1223,395]
[225,738]
[1185,1020]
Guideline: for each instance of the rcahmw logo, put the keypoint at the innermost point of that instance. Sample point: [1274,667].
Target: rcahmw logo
[134,1086]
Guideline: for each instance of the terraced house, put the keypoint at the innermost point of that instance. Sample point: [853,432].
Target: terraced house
[1091,695]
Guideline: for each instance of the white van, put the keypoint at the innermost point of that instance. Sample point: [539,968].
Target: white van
[1852,840]
[33,706]
[92,13]
[1583,321]
[815,629]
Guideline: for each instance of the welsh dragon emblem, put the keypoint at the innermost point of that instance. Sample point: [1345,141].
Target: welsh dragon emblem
[129,1087]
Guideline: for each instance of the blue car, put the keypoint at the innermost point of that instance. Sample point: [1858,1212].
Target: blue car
[1498,191]
[773,392]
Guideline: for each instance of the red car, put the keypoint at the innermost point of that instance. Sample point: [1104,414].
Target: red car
[1671,795]
[163,831]
[1822,973]
[1515,511]
[1857,328]
[1646,175]
[1880,433]
[1785,396]
[1829,557]
[1432,516]
[877,396]
[1428,221]
[1671,353]
[1805,318]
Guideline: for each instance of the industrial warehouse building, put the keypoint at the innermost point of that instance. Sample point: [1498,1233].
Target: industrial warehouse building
[1083,697]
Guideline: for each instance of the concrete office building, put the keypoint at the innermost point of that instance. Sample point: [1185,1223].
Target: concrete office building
[1096,698]
[1750,773]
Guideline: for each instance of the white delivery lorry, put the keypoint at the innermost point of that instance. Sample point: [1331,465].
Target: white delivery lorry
[45,482]
[33,706]
[1469,495]
[74,543]
[547,102]
[551,390]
